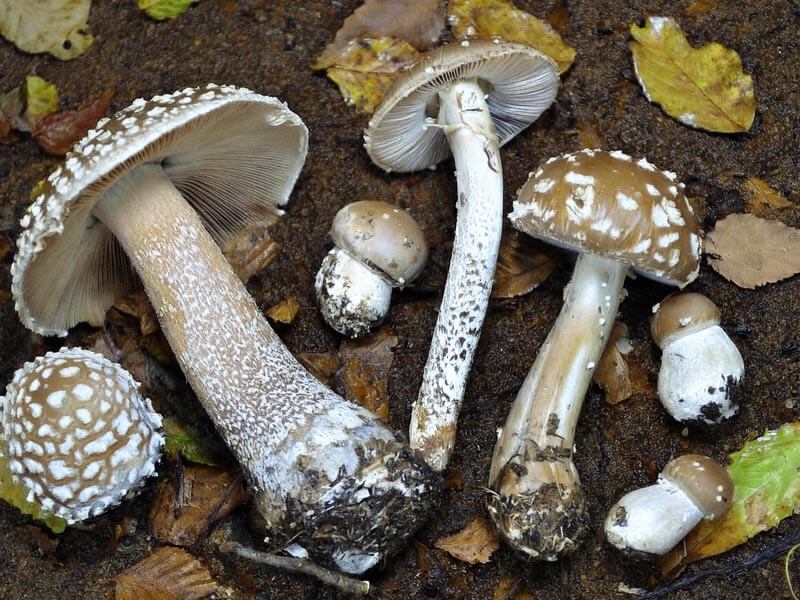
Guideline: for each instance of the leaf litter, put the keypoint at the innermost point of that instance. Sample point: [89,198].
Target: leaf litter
[58,27]
[168,573]
[474,544]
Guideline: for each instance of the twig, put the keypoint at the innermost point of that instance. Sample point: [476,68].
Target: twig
[300,565]
[786,570]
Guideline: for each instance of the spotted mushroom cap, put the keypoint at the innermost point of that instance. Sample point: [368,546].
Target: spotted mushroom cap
[383,237]
[77,433]
[681,314]
[609,204]
[520,83]
[233,154]
[704,481]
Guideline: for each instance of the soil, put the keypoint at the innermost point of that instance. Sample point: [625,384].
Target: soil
[268,46]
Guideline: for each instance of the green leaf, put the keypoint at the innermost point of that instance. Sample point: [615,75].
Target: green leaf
[16,494]
[161,10]
[189,442]
[41,99]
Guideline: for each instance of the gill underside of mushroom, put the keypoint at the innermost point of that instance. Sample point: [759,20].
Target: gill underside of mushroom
[317,464]
[465,118]
[536,499]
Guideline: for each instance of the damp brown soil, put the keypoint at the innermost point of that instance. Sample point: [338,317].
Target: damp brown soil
[267,46]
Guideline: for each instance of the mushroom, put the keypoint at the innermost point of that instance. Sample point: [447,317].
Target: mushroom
[77,433]
[617,213]
[701,368]
[467,99]
[377,247]
[650,521]
[158,183]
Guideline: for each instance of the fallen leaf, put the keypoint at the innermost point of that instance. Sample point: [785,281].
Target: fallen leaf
[558,17]
[251,251]
[504,588]
[488,19]
[418,22]
[522,265]
[161,10]
[700,7]
[321,365]
[12,107]
[284,312]
[41,99]
[59,27]
[167,574]
[766,491]
[588,136]
[760,196]
[701,87]
[57,133]
[615,373]
[45,543]
[750,251]
[138,305]
[474,544]
[16,495]
[186,440]
[364,69]
[185,510]
[365,370]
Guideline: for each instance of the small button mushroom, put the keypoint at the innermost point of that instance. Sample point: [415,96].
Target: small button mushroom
[650,521]
[378,247]
[77,433]
[701,367]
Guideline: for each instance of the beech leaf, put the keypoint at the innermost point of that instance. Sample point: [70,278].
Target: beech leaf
[761,196]
[750,251]
[167,574]
[522,265]
[615,373]
[56,133]
[701,87]
[59,27]
[767,490]
[161,10]
[488,19]
[474,544]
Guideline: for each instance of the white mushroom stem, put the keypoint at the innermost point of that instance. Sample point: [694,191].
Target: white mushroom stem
[301,445]
[533,454]
[465,118]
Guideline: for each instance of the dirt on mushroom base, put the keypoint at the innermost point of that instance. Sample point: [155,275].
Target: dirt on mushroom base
[267,46]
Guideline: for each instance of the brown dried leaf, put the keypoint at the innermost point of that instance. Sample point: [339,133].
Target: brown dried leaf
[521,265]
[284,312]
[504,588]
[321,365]
[365,369]
[251,251]
[45,541]
[167,574]
[619,376]
[185,510]
[138,305]
[558,17]
[418,22]
[57,133]
[700,7]
[5,246]
[761,196]
[474,544]
[750,251]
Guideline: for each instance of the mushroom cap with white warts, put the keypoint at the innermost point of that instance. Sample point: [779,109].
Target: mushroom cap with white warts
[77,433]
[233,154]
[609,204]
[520,84]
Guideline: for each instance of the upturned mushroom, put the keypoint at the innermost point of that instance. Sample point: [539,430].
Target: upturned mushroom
[77,433]
[618,213]
[466,99]
[650,521]
[158,183]
[701,368]
[377,247]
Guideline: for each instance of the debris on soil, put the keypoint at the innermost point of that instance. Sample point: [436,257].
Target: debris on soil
[474,544]
[761,196]
[616,373]
[285,311]
[167,573]
[365,370]
[161,10]
[522,265]
[58,132]
[251,251]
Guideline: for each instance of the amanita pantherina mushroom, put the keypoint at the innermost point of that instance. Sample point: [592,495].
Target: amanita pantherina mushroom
[618,213]
[377,247]
[77,433]
[701,367]
[467,99]
[650,521]
[149,183]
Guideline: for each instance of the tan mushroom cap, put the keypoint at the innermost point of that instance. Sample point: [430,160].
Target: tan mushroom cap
[78,433]
[609,204]
[704,481]
[233,154]
[384,237]
[520,84]
[681,314]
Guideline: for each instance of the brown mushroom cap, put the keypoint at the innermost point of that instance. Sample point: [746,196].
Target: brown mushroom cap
[682,313]
[383,237]
[234,155]
[520,84]
[609,204]
[78,433]
[703,480]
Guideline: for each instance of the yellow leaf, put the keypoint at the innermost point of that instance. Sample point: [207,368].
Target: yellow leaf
[487,19]
[41,99]
[701,87]
[365,69]
[760,195]
[474,544]
[284,312]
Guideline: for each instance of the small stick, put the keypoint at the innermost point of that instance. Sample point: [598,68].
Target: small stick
[300,565]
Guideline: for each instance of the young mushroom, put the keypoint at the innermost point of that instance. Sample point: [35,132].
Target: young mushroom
[701,368]
[77,433]
[618,214]
[377,247]
[158,183]
[650,521]
[467,99]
